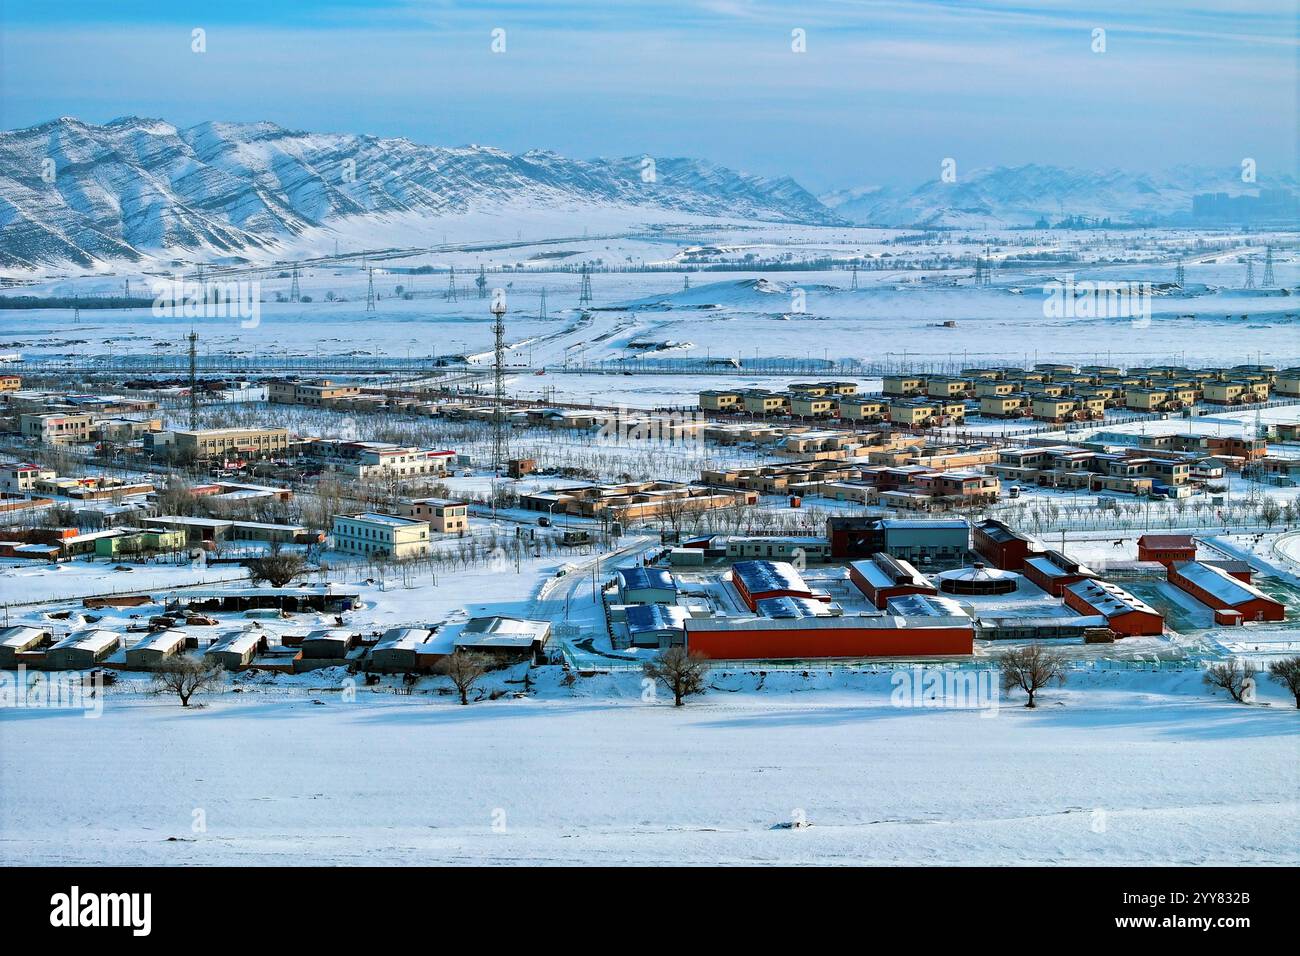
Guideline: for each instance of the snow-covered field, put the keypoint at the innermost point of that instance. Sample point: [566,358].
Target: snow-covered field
[1115,769]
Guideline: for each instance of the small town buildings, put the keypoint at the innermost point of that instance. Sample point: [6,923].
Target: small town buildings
[802,549]
[1216,588]
[398,650]
[153,649]
[219,442]
[56,429]
[371,533]
[19,639]
[236,649]
[445,515]
[318,394]
[135,542]
[330,644]
[22,478]
[509,638]
[82,649]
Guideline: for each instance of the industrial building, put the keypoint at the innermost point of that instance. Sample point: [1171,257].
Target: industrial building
[924,627]
[1216,588]
[642,585]
[882,577]
[755,581]
[1124,613]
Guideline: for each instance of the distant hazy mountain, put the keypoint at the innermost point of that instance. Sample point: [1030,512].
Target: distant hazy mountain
[1021,195]
[137,187]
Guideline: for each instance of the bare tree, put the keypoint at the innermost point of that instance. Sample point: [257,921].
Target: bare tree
[1287,673]
[680,672]
[186,675]
[1232,676]
[277,568]
[1031,668]
[465,668]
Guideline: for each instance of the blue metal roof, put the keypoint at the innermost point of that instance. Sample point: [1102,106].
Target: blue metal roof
[642,618]
[641,577]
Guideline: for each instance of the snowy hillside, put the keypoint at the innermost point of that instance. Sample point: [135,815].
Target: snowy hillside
[79,193]
[1021,195]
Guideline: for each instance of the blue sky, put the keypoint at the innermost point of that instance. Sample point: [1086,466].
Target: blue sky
[884,91]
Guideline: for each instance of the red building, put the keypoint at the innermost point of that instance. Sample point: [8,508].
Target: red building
[941,635]
[1166,548]
[1216,588]
[1124,613]
[882,577]
[1053,572]
[1000,546]
[759,580]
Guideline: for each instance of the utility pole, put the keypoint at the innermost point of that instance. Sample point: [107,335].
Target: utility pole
[193,338]
[499,380]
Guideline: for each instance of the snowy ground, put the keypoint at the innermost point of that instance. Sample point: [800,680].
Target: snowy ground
[1119,769]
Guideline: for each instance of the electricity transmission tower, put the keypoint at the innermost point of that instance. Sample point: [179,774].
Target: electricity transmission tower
[1180,274]
[853,283]
[295,293]
[499,382]
[370,291]
[584,292]
[541,309]
[451,285]
[481,282]
[1268,268]
[1250,272]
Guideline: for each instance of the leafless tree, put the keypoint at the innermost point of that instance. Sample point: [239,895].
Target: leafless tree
[465,668]
[277,568]
[1031,668]
[1287,673]
[680,672]
[1232,676]
[186,675]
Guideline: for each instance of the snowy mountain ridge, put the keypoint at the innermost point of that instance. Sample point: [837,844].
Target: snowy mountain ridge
[80,193]
[1005,196]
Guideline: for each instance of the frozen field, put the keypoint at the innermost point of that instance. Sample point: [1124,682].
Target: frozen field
[1117,769]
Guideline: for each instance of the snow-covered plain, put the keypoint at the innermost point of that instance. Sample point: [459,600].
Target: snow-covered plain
[1113,769]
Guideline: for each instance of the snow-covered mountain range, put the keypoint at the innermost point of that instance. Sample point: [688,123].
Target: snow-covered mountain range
[1021,195]
[78,193]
